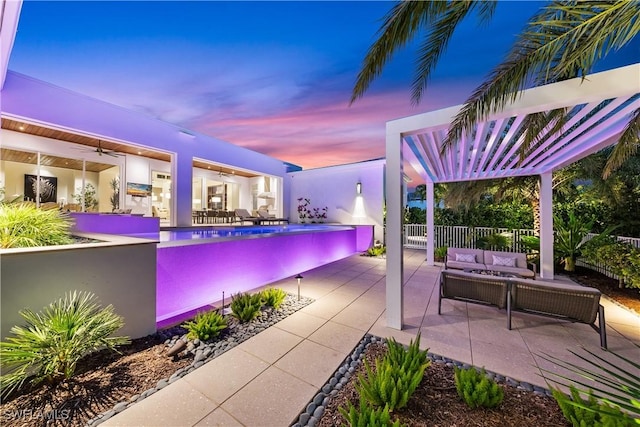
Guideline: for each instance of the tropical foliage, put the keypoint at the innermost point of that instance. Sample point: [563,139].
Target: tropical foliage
[87,196]
[273,297]
[396,376]
[23,225]
[205,326]
[617,385]
[476,389]
[245,307]
[367,416]
[590,412]
[561,41]
[621,258]
[53,341]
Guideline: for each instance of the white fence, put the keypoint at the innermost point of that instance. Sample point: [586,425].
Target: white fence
[465,237]
[460,236]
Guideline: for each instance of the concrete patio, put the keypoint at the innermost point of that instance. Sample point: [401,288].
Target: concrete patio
[268,379]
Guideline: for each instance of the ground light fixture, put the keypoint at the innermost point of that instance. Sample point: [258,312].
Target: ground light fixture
[359,188]
[299,279]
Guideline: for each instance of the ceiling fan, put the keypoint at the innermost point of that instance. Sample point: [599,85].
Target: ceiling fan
[102,151]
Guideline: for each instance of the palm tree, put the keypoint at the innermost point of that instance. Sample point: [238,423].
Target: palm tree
[525,188]
[561,41]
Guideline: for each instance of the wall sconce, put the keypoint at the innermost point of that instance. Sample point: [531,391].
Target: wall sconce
[299,279]
[359,188]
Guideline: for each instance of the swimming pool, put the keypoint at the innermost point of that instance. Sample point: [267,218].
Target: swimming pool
[195,265]
[182,234]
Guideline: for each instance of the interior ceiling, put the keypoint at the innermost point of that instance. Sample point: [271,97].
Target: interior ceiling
[53,161]
[222,170]
[25,157]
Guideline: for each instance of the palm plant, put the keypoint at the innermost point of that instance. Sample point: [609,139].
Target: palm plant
[569,238]
[23,225]
[616,378]
[561,41]
[51,344]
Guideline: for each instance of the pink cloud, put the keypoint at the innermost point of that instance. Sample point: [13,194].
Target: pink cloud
[325,131]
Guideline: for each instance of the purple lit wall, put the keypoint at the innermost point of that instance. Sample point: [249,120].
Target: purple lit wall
[193,275]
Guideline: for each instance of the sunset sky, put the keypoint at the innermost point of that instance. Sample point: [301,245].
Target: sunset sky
[275,77]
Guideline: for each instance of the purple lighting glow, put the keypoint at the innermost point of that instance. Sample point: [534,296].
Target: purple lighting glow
[193,275]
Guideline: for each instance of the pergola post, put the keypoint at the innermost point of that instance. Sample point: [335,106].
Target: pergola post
[546,226]
[394,195]
[430,227]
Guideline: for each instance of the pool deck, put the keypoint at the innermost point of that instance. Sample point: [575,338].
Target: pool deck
[268,379]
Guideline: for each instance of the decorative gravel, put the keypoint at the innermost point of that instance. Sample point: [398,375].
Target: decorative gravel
[204,351]
[312,412]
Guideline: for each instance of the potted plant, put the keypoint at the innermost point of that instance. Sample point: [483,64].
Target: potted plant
[115,194]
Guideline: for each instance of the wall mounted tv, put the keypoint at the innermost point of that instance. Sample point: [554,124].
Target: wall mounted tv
[138,190]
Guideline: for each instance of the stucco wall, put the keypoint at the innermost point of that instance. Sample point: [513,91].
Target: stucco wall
[123,275]
[335,188]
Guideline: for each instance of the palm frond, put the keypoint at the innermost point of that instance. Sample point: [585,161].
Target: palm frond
[438,39]
[626,147]
[400,26]
[562,41]
[539,125]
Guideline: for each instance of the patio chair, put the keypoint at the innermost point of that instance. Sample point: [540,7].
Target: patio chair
[244,215]
[271,218]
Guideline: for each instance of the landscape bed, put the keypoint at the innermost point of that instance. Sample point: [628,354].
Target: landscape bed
[107,382]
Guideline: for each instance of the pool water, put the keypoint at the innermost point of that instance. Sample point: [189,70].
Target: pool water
[225,232]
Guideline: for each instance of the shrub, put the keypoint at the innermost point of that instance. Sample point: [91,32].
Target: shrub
[53,341]
[23,225]
[494,242]
[476,389]
[396,376]
[366,416]
[273,297]
[621,258]
[590,412]
[246,307]
[205,325]
[377,250]
[440,253]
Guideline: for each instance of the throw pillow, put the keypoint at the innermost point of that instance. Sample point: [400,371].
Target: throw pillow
[466,257]
[504,261]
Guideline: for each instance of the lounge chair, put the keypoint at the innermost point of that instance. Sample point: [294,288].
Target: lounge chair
[271,218]
[244,215]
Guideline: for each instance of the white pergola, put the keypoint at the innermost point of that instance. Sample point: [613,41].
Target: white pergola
[599,107]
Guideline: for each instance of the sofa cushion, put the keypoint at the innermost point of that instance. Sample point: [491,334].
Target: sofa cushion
[452,252]
[504,261]
[466,257]
[521,258]
[460,265]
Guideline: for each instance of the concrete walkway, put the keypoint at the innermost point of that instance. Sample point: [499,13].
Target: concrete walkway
[268,379]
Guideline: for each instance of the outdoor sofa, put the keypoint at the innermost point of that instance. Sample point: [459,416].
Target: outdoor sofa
[570,302]
[485,260]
